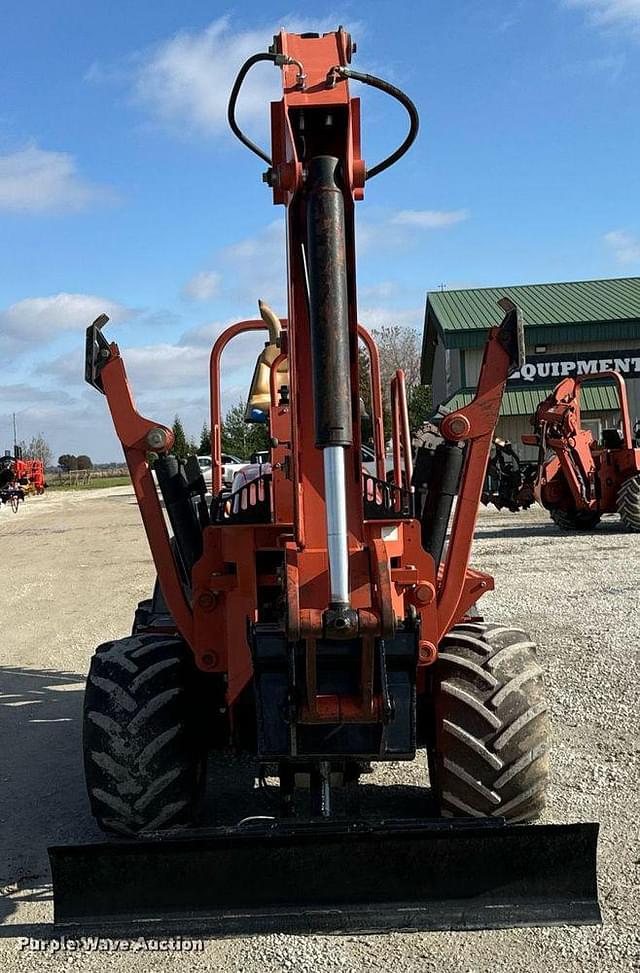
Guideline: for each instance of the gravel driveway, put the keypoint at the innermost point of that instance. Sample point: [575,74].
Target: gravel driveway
[75,565]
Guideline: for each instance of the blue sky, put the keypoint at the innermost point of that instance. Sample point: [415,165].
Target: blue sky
[122,190]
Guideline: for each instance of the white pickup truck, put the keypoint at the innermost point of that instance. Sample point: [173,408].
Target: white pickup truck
[230,466]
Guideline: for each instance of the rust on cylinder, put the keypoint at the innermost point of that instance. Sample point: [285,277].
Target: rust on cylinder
[328,303]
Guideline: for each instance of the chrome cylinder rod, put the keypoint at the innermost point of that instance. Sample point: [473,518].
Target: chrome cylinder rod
[337,539]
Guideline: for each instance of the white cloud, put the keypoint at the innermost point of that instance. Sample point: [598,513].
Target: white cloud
[26,392]
[382,317]
[185,81]
[34,180]
[166,366]
[203,286]
[430,219]
[256,268]
[625,247]
[609,13]
[39,319]
[166,379]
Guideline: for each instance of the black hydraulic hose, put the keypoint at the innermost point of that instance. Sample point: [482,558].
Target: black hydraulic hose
[233,98]
[338,71]
[182,515]
[442,489]
[405,101]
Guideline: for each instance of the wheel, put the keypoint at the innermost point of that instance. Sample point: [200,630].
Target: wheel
[488,754]
[144,757]
[628,503]
[574,519]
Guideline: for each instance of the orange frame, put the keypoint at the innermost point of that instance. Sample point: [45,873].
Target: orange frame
[389,570]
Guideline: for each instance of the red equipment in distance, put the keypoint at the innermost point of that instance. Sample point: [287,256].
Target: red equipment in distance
[31,470]
[20,477]
[578,479]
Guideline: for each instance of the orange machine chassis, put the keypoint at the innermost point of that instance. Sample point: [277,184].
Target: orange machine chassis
[391,577]
[580,475]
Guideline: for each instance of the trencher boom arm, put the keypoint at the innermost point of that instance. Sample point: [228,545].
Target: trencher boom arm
[311,614]
[105,371]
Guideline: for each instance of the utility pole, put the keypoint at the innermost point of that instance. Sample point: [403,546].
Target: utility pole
[15,436]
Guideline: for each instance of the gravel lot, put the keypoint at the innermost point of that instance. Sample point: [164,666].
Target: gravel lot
[75,566]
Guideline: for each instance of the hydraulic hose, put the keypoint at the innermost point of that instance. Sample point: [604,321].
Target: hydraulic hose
[233,98]
[405,101]
[280,60]
[338,71]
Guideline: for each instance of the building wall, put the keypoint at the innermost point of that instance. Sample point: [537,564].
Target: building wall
[473,358]
[447,373]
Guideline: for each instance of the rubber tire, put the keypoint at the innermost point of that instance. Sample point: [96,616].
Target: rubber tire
[144,759]
[489,756]
[628,503]
[574,519]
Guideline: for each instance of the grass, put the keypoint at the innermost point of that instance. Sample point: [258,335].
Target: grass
[96,483]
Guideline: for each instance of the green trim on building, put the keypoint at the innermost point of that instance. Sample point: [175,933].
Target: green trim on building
[553,314]
[596,397]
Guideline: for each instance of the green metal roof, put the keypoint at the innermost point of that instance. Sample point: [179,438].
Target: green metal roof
[596,397]
[553,314]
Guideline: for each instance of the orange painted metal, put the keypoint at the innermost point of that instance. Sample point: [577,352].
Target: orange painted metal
[581,475]
[377,418]
[479,417]
[242,327]
[391,575]
[132,430]
[402,459]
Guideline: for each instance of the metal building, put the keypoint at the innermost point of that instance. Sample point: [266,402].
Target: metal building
[583,327]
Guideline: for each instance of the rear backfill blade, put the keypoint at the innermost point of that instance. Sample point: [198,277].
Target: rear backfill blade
[332,877]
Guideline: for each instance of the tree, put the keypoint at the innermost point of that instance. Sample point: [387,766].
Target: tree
[68,462]
[204,448]
[84,462]
[243,438]
[419,405]
[398,347]
[180,445]
[38,448]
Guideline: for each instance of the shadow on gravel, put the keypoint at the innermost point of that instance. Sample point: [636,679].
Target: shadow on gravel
[43,800]
[543,530]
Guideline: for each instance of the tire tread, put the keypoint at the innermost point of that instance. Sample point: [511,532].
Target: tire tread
[144,762]
[489,754]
